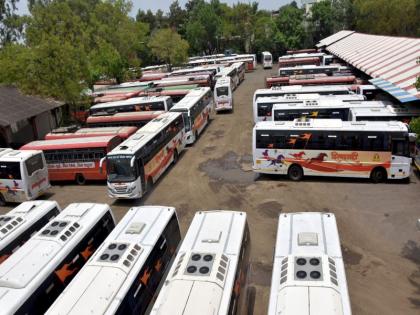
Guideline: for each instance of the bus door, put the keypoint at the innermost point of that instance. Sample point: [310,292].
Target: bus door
[400,160]
[36,170]
[140,167]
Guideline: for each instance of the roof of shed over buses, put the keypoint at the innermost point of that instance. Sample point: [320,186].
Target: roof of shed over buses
[22,218]
[214,233]
[24,271]
[101,286]
[144,134]
[308,245]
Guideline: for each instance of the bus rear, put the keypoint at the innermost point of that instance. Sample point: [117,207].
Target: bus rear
[223,95]
[267,59]
[23,175]
[75,159]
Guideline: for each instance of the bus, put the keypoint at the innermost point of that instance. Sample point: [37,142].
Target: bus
[240,67]
[75,159]
[311,79]
[38,272]
[133,119]
[267,60]
[138,162]
[310,69]
[331,147]
[299,89]
[368,90]
[322,108]
[135,104]
[209,274]
[19,224]
[400,112]
[196,108]
[23,175]
[122,132]
[125,274]
[291,62]
[252,65]
[308,270]
[264,105]
[230,72]
[223,95]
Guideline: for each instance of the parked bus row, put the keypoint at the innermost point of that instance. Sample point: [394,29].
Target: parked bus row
[78,261]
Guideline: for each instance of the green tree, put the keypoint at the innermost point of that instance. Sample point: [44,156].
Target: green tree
[415,127]
[289,23]
[168,46]
[176,16]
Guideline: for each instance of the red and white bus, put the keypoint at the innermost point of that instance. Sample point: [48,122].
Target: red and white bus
[122,132]
[378,150]
[196,108]
[75,158]
[139,161]
[136,119]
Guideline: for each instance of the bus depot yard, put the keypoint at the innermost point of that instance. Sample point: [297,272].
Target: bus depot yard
[376,223]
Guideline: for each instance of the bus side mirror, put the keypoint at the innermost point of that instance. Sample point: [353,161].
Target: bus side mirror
[133,159]
[101,162]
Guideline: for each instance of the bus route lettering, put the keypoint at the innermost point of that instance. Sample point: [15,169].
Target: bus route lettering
[353,156]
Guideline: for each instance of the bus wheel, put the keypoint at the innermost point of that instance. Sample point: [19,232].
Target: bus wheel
[295,172]
[149,185]
[378,175]
[176,156]
[80,179]
[2,201]
[196,135]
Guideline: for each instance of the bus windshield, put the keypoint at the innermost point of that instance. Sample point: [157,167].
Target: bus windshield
[10,170]
[222,91]
[187,121]
[119,168]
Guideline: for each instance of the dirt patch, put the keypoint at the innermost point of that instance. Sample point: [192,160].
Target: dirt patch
[215,186]
[227,169]
[260,274]
[217,133]
[414,279]
[234,202]
[351,257]
[270,209]
[209,149]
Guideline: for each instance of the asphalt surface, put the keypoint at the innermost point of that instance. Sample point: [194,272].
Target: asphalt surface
[377,223]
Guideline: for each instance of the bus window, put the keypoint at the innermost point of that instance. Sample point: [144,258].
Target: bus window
[10,170]
[222,91]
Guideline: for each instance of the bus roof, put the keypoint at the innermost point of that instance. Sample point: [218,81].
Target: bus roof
[70,143]
[223,81]
[22,217]
[301,55]
[191,98]
[144,134]
[332,124]
[388,111]
[10,155]
[217,234]
[307,67]
[313,99]
[123,131]
[121,117]
[328,103]
[26,269]
[308,236]
[297,89]
[102,284]
[132,101]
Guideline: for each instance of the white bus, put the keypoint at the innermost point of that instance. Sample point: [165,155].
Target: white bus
[312,69]
[23,175]
[36,274]
[308,271]
[241,68]
[210,270]
[138,162]
[231,72]
[125,274]
[331,147]
[267,60]
[196,108]
[292,90]
[399,112]
[263,108]
[325,107]
[18,225]
[223,95]
[134,104]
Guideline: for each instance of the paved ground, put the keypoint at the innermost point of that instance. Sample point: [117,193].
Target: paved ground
[381,244]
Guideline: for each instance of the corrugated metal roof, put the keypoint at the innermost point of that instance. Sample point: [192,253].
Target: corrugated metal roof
[392,62]
[333,38]
[15,106]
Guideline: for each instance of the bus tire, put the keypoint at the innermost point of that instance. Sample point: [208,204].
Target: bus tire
[149,185]
[378,175]
[2,201]
[295,172]
[80,179]
[196,135]
[176,156]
